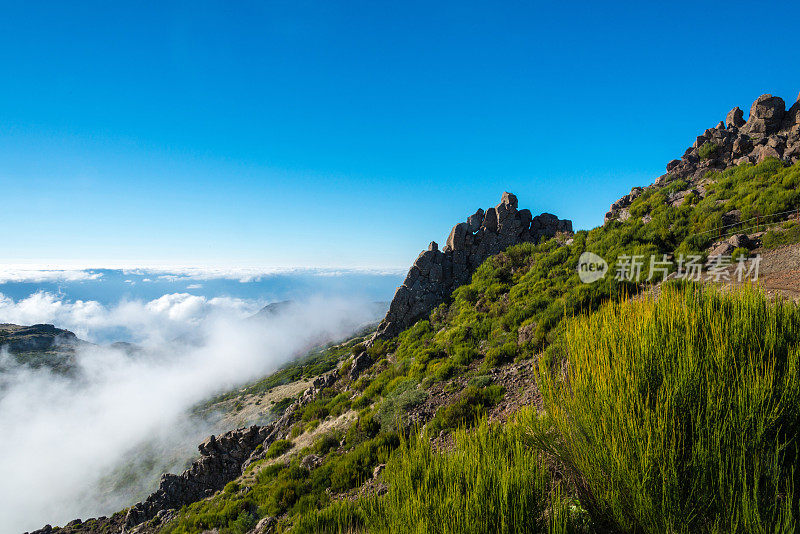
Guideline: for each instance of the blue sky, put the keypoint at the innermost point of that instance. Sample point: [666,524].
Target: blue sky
[349,134]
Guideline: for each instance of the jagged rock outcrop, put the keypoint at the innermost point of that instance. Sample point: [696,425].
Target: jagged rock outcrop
[771,131]
[38,337]
[435,274]
[222,458]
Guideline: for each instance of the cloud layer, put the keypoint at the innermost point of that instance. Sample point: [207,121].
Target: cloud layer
[63,435]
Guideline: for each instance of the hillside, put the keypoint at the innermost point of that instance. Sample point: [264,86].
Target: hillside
[40,345]
[664,427]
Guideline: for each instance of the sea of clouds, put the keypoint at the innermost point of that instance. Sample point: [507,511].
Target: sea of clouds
[68,440]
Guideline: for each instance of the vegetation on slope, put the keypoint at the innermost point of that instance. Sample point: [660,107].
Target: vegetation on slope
[669,415]
[515,308]
[492,481]
[680,414]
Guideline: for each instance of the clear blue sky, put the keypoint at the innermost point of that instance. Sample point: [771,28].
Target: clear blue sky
[350,133]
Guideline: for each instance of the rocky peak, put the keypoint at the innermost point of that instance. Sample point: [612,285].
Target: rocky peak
[436,274]
[771,131]
[38,337]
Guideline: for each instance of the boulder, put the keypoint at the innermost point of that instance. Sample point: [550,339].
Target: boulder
[265,526]
[360,364]
[721,249]
[766,115]
[740,241]
[735,118]
[742,145]
[767,152]
[458,236]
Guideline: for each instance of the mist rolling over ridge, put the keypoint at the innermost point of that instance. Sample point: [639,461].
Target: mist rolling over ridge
[70,439]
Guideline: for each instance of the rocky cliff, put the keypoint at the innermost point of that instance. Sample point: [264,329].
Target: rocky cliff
[771,131]
[38,337]
[222,459]
[436,273]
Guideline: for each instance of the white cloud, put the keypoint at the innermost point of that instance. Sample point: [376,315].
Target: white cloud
[162,319]
[16,274]
[61,435]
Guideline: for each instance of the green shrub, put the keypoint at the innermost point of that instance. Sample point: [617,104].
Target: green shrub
[278,447]
[707,150]
[680,414]
[491,482]
[787,235]
[326,443]
[465,355]
[393,411]
[467,409]
[244,522]
[496,356]
[740,252]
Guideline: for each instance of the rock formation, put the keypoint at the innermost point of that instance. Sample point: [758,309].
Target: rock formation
[38,337]
[222,459]
[770,131]
[435,274]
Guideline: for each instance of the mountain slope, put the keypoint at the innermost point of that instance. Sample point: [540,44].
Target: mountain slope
[40,345]
[481,352]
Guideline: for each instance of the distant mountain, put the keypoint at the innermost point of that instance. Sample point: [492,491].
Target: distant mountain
[272,309]
[40,345]
[38,337]
[377,309]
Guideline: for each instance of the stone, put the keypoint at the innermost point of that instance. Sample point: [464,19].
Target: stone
[436,274]
[474,221]
[433,247]
[360,364]
[732,217]
[791,120]
[265,526]
[672,164]
[457,238]
[735,118]
[312,461]
[721,249]
[742,145]
[490,220]
[767,152]
[509,199]
[766,115]
[378,470]
[740,241]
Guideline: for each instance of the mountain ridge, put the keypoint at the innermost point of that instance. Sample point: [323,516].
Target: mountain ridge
[470,356]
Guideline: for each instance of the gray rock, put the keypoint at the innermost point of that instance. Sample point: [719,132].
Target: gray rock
[742,145]
[735,118]
[474,221]
[221,460]
[458,236]
[721,249]
[740,241]
[312,461]
[766,115]
[435,275]
[360,364]
[767,152]
[265,526]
